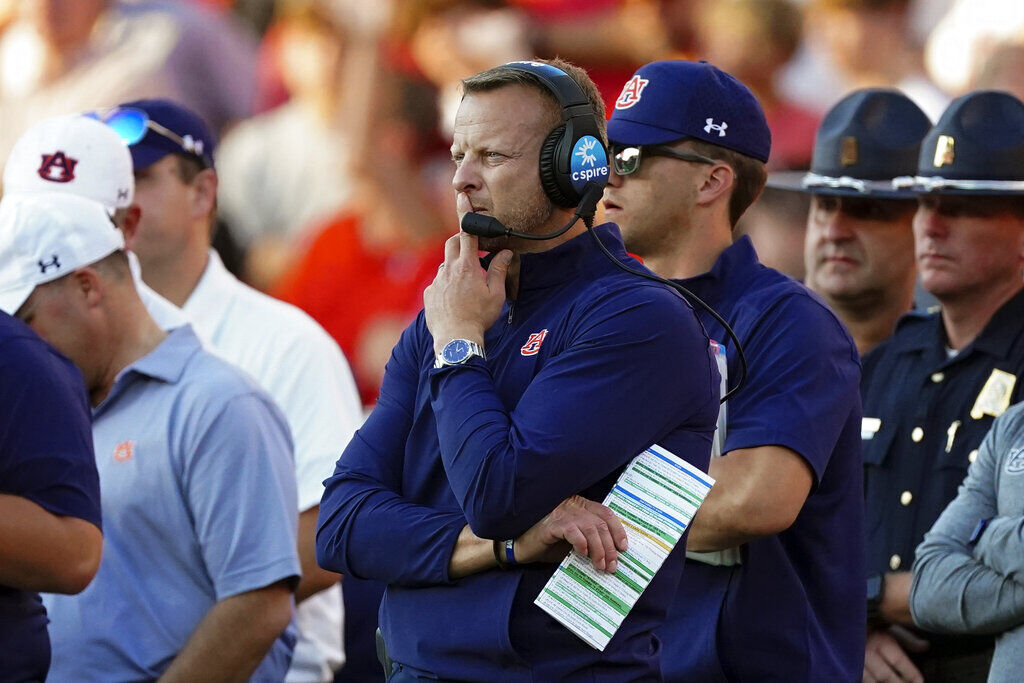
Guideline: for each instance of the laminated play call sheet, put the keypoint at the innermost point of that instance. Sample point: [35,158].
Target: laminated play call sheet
[655,498]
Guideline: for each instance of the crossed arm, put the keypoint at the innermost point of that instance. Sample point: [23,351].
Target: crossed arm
[507,470]
[965,587]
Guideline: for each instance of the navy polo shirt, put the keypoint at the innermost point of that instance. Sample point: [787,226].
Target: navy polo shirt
[794,609]
[925,416]
[46,456]
[588,366]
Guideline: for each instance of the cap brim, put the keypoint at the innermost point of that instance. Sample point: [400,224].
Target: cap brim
[794,181]
[626,132]
[13,299]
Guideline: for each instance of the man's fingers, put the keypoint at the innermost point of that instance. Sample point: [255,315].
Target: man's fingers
[610,554]
[469,247]
[615,528]
[451,250]
[497,270]
[876,670]
[578,540]
[597,546]
[898,660]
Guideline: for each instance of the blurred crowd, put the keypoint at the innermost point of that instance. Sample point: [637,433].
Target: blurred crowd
[334,116]
[331,121]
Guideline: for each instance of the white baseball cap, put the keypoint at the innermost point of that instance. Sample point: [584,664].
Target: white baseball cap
[73,154]
[45,236]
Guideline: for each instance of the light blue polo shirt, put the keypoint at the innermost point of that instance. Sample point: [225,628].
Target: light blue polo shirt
[199,504]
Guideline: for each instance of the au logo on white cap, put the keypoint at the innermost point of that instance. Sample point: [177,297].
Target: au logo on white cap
[57,167]
[631,92]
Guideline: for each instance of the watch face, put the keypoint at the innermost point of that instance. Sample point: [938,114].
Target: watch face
[456,351]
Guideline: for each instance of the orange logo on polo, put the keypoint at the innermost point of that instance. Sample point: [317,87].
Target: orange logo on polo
[124,451]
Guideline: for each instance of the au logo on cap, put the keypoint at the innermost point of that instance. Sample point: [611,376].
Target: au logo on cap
[57,167]
[944,151]
[631,92]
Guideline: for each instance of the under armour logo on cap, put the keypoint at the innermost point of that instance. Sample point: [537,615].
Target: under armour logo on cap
[57,168]
[720,127]
[46,265]
[631,92]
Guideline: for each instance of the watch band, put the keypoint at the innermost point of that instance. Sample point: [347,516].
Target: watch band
[457,352]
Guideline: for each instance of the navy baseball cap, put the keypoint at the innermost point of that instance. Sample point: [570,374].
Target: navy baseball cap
[867,139]
[670,100]
[976,148]
[166,128]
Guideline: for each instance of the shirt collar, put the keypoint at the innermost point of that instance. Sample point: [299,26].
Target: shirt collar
[208,304]
[995,339]
[731,271]
[166,363]
[569,260]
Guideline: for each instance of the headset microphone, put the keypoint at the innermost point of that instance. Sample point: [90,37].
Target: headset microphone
[489,226]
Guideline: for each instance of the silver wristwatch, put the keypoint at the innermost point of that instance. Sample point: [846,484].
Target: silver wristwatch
[457,352]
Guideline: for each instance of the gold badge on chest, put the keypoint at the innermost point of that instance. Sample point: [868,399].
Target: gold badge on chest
[994,398]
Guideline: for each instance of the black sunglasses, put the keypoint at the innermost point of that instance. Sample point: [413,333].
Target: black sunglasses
[626,158]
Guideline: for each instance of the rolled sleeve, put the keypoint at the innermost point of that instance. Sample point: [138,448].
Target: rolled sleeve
[240,489]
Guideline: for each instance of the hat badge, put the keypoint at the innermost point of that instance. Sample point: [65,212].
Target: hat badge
[631,92]
[944,151]
[848,151]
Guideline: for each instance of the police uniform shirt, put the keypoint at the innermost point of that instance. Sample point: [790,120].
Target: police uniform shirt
[925,415]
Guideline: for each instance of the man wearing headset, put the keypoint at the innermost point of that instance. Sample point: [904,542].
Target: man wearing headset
[781,595]
[517,388]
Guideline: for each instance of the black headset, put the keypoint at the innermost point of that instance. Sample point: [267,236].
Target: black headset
[573,154]
[580,183]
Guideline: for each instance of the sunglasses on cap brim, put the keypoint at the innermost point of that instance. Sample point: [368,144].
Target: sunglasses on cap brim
[132,124]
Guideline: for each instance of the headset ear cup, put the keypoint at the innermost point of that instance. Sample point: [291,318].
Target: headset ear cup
[549,170]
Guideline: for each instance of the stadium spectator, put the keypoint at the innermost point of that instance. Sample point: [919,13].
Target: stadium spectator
[787,504]
[932,390]
[50,538]
[286,171]
[197,568]
[288,354]
[868,43]
[61,57]
[79,155]
[753,40]
[859,252]
[469,445]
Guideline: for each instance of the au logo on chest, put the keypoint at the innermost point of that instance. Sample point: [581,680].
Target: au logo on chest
[124,451]
[532,345]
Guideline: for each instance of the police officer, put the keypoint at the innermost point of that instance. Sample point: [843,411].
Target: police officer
[933,389]
[859,247]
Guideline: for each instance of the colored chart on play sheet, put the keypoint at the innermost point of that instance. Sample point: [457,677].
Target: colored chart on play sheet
[655,498]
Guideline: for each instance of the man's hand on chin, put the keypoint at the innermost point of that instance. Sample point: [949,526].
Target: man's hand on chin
[464,300]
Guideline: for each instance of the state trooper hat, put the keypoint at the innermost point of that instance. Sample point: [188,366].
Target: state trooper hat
[976,148]
[867,139]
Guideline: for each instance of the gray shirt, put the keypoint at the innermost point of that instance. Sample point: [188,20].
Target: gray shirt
[970,583]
